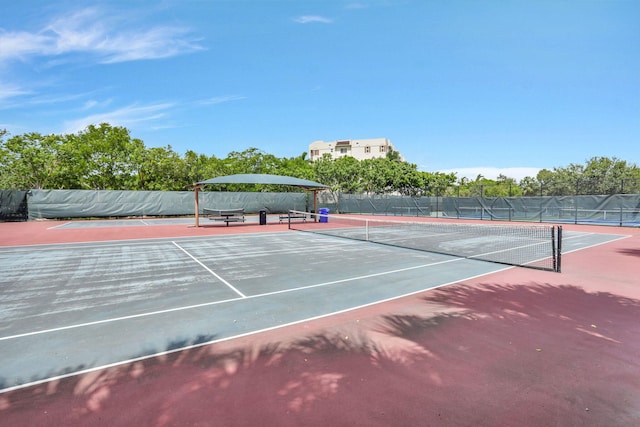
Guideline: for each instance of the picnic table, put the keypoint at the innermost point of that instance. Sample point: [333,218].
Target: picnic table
[225,215]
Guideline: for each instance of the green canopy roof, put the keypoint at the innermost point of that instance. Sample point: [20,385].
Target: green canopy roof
[258,178]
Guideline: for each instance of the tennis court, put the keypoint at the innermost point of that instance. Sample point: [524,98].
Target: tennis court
[75,309]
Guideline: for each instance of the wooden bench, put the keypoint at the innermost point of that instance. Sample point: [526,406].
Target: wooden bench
[225,215]
[292,217]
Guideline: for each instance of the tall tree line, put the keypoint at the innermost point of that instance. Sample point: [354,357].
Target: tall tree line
[105,157]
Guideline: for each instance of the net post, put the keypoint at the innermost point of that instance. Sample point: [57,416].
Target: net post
[366,230]
[559,255]
[289,218]
[620,215]
[554,254]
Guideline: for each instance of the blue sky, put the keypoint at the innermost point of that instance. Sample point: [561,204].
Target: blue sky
[466,85]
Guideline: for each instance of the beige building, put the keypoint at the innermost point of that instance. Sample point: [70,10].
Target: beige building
[360,149]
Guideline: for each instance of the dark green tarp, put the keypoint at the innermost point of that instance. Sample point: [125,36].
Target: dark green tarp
[13,205]
[257,178]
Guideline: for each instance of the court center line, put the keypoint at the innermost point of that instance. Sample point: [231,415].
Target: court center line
[205,304]
[210,271]
[351,279]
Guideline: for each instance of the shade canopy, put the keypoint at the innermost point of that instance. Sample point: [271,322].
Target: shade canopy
[257,178]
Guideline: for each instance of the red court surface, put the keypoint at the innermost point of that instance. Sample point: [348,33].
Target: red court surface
[519,347]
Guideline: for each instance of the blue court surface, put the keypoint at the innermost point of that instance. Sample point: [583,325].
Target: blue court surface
[72,308]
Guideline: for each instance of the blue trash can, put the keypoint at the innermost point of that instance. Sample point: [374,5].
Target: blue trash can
[323,214]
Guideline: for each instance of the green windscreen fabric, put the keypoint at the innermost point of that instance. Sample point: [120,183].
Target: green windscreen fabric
[105,203]
[618,209]
[13,205]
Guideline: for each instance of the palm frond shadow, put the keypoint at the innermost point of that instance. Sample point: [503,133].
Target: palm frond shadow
[334,376]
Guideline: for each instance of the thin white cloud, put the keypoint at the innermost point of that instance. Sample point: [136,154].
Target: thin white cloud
[94,32]
[92,104]
[221,99]
[54,99]
[88,105]
[157,43]
[308,19]
[126,116]
[21,44]
[25,99]
[81,31]
[471,174]
[10,91]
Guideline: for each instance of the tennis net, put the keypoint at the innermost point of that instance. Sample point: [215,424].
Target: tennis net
[533,246]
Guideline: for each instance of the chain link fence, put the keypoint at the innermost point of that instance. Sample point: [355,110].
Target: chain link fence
[616,209]
[605,187]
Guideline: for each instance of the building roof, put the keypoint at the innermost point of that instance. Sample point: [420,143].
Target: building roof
[256,178]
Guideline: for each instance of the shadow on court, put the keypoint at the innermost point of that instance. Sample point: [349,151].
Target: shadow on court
[486,355]
[630,252]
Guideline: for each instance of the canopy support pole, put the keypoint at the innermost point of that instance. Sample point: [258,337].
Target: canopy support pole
[197,205]
[315,202]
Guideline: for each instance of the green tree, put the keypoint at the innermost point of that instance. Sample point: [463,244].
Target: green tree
[599,175]
[603,175]
[106,157]
[372,176]
[506,187]
[298,167]
[30,160]
[406,178]
[393,155]
[342,175]
[104,153]
[200,167]
[438,183]
[560,181]
[250,161]
[161,169]
[529,186]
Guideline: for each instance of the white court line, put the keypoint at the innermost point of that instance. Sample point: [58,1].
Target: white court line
[271,328]
[189,307]
[366,276]
[116,319]
[142,241]
[622,236]
[59,225]
[210,271]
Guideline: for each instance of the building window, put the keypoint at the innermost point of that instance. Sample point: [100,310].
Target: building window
[343,151]
[383,148]
[315,153]
[367,149]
